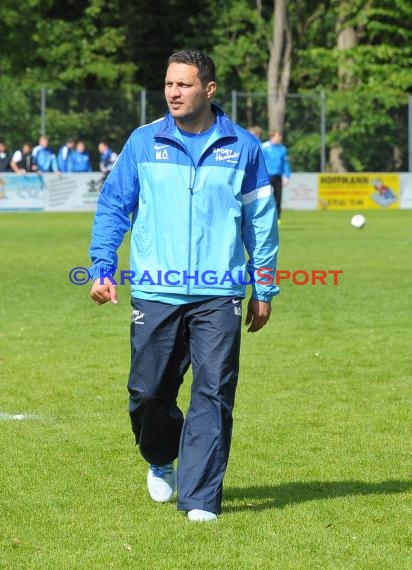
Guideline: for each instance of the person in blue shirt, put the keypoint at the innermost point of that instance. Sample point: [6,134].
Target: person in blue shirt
[194,191]
[44,157]
[277,163]
[256,130]
[64,156]
[80,158]
[107,157]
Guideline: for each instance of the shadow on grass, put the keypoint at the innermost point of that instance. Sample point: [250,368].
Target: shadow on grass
[279,496]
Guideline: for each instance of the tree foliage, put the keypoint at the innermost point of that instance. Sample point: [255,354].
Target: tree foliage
[367,84]
[89,48]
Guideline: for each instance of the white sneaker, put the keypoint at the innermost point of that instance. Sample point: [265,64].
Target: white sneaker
[198,515]
[161,482]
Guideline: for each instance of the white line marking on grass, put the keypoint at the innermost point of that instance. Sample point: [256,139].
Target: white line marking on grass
[18,417]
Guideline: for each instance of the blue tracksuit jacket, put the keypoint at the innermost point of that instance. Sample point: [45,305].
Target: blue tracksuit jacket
[190,223]
[81,161]
[64,159]
[45,159]
[276,158]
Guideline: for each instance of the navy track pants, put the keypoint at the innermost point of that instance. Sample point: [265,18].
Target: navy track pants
[165,340]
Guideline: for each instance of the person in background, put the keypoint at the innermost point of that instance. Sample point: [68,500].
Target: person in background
[277,164]
[44,157]
[5,157]
[107,157]
[257,131]
[22,160]
[80,158]
[194,190]
[64,156]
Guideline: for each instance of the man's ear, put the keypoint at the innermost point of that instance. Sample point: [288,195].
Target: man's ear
[211,89]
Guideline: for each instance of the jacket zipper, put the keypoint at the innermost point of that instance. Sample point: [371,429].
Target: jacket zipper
[192,180]
[191,186]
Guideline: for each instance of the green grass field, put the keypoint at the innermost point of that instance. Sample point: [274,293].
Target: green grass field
[320,469]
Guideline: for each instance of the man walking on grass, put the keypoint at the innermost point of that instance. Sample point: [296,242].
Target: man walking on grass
[194,189]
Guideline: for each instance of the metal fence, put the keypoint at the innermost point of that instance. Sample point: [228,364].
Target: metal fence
[305,117]
[90,115]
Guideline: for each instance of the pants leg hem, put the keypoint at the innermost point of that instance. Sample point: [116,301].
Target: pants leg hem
[185,507]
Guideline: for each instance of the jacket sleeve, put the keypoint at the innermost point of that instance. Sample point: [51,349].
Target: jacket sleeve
[260,229]
[117,200]
[287,171]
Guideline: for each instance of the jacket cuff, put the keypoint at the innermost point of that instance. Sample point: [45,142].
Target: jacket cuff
[266,297]
[101,271]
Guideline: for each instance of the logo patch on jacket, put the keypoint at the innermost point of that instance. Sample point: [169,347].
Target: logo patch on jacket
[161,151]
[226,154]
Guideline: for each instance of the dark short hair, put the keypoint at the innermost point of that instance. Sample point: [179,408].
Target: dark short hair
[206,67]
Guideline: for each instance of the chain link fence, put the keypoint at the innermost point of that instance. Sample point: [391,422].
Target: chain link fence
[311,123]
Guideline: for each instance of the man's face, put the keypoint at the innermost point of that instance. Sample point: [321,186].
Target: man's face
[276,138]
[186,97]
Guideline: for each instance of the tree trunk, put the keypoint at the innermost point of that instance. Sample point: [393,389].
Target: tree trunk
[346,38]
[278,75]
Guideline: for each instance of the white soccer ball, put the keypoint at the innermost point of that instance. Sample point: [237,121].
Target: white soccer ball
[358,221]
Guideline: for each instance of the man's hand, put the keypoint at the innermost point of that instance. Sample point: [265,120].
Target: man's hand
[285,180]
[258,314]
[103,292]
